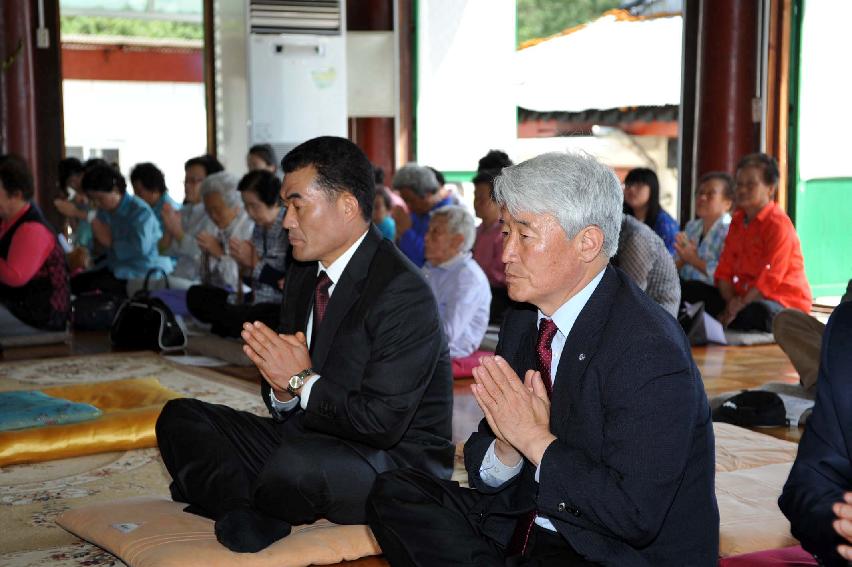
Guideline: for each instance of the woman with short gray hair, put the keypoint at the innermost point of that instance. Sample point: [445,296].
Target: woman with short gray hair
[459,284]
[219,271]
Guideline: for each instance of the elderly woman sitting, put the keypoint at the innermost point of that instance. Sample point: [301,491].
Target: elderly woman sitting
[219,270]
[127,227]
[33,275]
[700,245]
[419,188]
[761,270]
[459,284]
[263,261]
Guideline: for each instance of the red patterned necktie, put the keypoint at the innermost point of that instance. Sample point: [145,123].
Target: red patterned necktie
[546,331]
[321,298]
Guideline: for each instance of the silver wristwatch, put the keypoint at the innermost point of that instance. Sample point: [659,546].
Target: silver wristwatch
[294,385]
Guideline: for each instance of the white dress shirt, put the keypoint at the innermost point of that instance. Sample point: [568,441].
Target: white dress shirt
[493,471]
[334,272]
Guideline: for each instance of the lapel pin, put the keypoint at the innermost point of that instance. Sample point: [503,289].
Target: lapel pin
[582,356]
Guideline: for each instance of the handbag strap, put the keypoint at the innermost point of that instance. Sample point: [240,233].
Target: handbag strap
[154,271]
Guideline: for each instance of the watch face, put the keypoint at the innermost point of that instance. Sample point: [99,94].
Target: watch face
[296,382]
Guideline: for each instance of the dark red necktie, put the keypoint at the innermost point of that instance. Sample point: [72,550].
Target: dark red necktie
[321,299]
[546,331]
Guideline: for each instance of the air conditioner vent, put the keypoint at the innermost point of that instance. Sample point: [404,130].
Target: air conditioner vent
[295,16]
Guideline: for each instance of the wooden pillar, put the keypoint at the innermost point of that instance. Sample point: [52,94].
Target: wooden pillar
[778,92]
[30,102]
[727,125]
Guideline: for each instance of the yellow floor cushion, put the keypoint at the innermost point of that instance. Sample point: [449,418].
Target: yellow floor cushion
[148,532]
[130,410]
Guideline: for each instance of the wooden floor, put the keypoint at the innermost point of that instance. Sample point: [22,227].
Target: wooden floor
[723,369]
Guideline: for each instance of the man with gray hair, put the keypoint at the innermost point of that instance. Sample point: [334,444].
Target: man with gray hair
[597,443]
[418,186]
[459,284]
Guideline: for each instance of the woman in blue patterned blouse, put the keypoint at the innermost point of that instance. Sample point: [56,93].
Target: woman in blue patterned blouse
[642,200]
[700,245]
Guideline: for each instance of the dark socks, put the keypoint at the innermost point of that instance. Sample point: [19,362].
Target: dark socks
[247,531]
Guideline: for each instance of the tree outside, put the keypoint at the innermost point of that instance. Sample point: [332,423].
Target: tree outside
[543,18]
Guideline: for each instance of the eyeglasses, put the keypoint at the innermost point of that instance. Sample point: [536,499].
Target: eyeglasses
[190,180]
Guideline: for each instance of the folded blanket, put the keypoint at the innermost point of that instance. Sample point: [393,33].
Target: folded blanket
[23,409]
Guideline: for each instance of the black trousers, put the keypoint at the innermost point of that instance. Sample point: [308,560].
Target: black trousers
[102,280]
[756,316]
[221,459]
[209,304]
[420,520]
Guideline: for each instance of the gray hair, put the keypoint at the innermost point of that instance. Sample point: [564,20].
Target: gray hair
[224,183]
[418,178]
[459,221]
[575,188]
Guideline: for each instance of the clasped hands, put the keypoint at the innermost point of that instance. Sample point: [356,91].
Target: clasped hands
[843,525]
[277,356]
[517,412]
[210,244]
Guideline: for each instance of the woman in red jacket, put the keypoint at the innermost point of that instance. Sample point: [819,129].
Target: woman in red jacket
[34,294]
[761,270]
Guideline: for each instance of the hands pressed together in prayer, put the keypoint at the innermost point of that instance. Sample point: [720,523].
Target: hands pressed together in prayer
[172,222]
[278,357]
[243,252]
[686,248]
[843,525]
[517,412]
[210,244]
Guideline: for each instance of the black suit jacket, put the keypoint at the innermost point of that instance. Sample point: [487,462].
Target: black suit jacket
[629,480]
[386,385]
[823,468]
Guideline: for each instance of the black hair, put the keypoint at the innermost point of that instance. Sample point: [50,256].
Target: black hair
[150,176]
[103,179]
[648,177]
[341,166]
[486,177]
[68,167]
[91,162]
[494,160]
[726,179]
[765,162]
[383,193]
[264,152]
[263,183]
[210,164]
[438,175]
[15,176]
[378,175]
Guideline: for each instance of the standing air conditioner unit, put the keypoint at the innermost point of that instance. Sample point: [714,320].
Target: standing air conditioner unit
[297,71]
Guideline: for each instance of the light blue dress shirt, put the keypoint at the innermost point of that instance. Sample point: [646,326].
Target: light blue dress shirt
[464,301]
[135,235]
[494,472]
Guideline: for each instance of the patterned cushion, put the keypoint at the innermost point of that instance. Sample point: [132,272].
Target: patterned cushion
[147,532]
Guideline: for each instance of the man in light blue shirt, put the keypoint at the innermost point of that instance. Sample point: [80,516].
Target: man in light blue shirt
[459,284]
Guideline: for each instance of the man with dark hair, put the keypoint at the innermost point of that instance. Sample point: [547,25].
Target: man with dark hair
[357,379]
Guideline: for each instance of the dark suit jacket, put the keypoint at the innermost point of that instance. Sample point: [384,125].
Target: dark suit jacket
[386,385]
[823,468]
[629,480]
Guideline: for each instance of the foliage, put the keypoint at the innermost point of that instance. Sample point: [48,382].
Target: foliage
[126,27]
[542,18]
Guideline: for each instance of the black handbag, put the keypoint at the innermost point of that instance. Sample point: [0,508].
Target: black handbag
[146,323]
[94,311]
